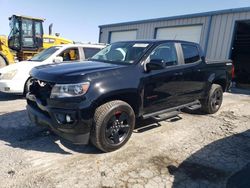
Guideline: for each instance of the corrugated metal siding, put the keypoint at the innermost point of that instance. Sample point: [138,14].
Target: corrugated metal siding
[219,39]
[221,35]
[147,30]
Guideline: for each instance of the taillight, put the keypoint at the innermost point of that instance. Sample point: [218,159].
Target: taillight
[233,72]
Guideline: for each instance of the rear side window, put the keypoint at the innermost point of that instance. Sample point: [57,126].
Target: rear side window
[191,53]
[89,52]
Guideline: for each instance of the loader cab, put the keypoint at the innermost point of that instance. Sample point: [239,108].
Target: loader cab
[26,33]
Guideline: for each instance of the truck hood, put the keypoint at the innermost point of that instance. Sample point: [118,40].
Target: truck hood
[70,72]
[21,66]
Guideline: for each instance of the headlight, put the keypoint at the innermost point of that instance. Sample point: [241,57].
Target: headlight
[8,75]
[69,90]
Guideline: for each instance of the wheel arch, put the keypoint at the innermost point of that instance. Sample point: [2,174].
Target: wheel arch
[222,82]
[24,87]
[4,57]
[130,97]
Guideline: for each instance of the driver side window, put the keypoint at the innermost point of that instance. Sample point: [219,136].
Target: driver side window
[165,53]
[71,54]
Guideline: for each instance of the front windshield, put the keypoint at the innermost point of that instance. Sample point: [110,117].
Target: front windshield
[122,52]
[45,54]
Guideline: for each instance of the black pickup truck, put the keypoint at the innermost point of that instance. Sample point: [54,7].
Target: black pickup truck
[100,99]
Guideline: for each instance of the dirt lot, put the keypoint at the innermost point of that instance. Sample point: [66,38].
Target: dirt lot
[187,151]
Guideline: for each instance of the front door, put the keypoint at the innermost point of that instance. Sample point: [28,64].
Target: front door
[162,87]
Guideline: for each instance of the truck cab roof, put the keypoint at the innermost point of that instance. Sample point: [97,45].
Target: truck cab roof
[159,41]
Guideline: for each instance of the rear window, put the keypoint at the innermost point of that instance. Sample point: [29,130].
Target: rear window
[89,52]
[191,53]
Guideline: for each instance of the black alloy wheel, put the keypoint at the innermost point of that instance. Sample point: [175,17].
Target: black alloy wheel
[117,128]
[113,125]
[216,99]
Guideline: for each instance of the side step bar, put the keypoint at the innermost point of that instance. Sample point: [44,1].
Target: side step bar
[194,107]
[174,109]
[166,116]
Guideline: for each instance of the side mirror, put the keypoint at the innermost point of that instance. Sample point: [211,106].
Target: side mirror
[155,64]
[58,59]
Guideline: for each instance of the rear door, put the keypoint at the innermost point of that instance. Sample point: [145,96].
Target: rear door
[162,88]
[193,82]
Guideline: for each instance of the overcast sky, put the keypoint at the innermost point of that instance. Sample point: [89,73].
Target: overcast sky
[79,19]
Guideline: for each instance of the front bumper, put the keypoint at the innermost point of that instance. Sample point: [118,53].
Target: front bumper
[77,132]
[11,86]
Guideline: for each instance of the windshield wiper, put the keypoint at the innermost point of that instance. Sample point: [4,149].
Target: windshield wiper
[99,60]
[34,60]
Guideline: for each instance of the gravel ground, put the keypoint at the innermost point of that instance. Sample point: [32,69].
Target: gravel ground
[191,150]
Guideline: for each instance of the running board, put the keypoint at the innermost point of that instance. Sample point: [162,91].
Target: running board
[194,107]
[178,108]
[166,116]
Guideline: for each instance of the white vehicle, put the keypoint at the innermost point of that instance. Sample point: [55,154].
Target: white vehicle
[14,76]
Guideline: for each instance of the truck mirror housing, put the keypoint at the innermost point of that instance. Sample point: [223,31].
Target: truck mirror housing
[58,59]
[155,64]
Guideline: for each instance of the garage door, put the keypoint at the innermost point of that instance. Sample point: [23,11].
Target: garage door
[122,35]
[187,33]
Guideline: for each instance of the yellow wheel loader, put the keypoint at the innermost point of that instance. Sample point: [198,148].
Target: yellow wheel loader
[26,39]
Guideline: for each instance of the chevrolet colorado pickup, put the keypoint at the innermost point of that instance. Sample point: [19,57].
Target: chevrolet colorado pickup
[99,100]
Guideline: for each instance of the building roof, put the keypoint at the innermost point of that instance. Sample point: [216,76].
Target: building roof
[211,13]
[155,41]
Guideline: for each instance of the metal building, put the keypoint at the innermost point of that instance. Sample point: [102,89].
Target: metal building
[222,34]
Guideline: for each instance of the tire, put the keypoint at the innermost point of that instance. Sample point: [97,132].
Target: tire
[25,88]
[3,63]
[214,100]
[113,125]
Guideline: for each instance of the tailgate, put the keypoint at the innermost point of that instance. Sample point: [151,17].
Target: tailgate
[221,63]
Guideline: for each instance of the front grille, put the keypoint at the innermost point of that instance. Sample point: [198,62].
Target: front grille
[41,89]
